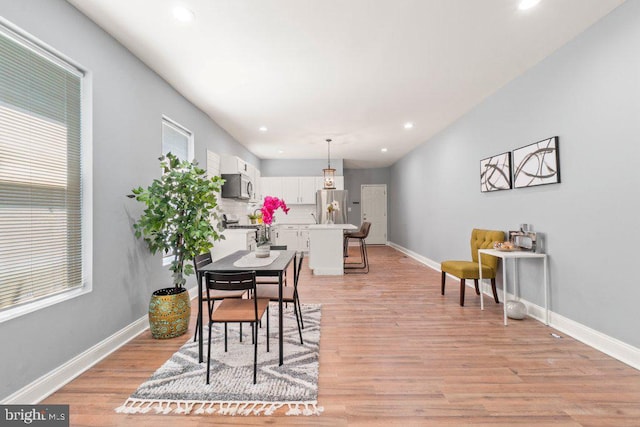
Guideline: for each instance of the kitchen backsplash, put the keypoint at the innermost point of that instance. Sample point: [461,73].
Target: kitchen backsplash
[298,214]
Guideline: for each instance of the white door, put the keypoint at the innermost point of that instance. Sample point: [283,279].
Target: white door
[373,205]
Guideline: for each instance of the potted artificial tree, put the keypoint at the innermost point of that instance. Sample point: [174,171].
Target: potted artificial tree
[181,208]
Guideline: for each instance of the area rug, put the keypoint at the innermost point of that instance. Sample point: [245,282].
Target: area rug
[179,385]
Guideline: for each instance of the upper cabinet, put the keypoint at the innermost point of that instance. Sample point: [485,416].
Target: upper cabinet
[271,186]
[233,164]
[295,190]
[299,190]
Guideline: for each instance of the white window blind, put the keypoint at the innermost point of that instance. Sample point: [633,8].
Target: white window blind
[40,173]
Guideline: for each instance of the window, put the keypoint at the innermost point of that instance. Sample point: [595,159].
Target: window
[44,245]
[179,141]
[176,139]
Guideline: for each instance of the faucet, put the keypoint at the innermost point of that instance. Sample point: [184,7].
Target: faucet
[314,217]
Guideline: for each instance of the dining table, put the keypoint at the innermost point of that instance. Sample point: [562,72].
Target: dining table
[241,261]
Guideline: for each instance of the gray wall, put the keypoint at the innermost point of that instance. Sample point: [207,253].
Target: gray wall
[353,179]
[128,103]
[298,167]
[587,93]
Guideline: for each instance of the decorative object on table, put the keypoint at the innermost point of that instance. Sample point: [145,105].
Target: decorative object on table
[269,206]
[480,239]
[495,173]
[263,251]
[332,208]
[537,164]
[525,239]
[516,310]
[505,246]
[329,174]
[178,223]
[178,387]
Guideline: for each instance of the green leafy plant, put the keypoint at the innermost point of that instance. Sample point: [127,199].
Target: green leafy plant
[181,208]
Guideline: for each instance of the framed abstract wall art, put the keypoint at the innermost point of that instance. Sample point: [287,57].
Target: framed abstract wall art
[495,173]
[537,164]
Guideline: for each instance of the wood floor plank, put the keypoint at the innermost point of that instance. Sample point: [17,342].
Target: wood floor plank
[394,352]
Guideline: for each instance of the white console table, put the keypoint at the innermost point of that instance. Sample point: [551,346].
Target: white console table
[515,256]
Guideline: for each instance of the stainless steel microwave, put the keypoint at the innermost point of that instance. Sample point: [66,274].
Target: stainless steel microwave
[236,186]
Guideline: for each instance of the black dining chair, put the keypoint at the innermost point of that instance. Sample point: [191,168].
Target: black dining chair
[289,295]
[198,262]
[236,310]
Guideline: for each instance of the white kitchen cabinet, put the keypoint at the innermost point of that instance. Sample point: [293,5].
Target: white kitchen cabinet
[307,190]
[287,235]
[233,164]
[271,186]
[299,190]
[257,185]
[296,190]
[303,238]
[290,190]
[254,175]
[295,237]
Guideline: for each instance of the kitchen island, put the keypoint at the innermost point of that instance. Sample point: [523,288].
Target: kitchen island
[325,248]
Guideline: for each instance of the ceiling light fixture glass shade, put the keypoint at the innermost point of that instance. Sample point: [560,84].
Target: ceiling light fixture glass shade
[329,174]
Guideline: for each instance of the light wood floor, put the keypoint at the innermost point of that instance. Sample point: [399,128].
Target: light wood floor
[393,351]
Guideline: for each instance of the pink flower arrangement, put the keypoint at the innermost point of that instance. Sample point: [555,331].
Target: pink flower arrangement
[270,205]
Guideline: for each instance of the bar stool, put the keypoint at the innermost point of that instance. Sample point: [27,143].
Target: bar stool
[361,235]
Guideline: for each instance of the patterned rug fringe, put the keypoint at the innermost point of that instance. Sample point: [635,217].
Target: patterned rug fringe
[140,406]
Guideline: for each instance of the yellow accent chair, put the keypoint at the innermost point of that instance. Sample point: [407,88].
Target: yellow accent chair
[480,239]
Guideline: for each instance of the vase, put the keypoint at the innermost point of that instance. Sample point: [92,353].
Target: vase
[330,218]
[263,251]
[169,312]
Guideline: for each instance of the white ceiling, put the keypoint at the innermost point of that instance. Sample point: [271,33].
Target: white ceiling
[351,70]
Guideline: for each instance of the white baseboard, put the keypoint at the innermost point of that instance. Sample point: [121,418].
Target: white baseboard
[44,386]
[613,347]
[47,384]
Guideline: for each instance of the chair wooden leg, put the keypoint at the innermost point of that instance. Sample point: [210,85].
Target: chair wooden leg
[444,275]
[475,281]
[225,337]
[462,286]
[495,291]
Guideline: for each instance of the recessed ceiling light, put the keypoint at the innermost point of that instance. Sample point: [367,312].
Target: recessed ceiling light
[408,125]
[183,14]
[263,129]
[527,4]
[384,150]
[280,151]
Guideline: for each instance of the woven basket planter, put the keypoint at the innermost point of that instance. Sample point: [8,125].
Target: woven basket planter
[169,312]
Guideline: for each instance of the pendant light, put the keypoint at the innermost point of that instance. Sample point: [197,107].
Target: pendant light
[329,173]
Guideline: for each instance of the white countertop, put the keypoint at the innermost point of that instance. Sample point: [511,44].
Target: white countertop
[332,227]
